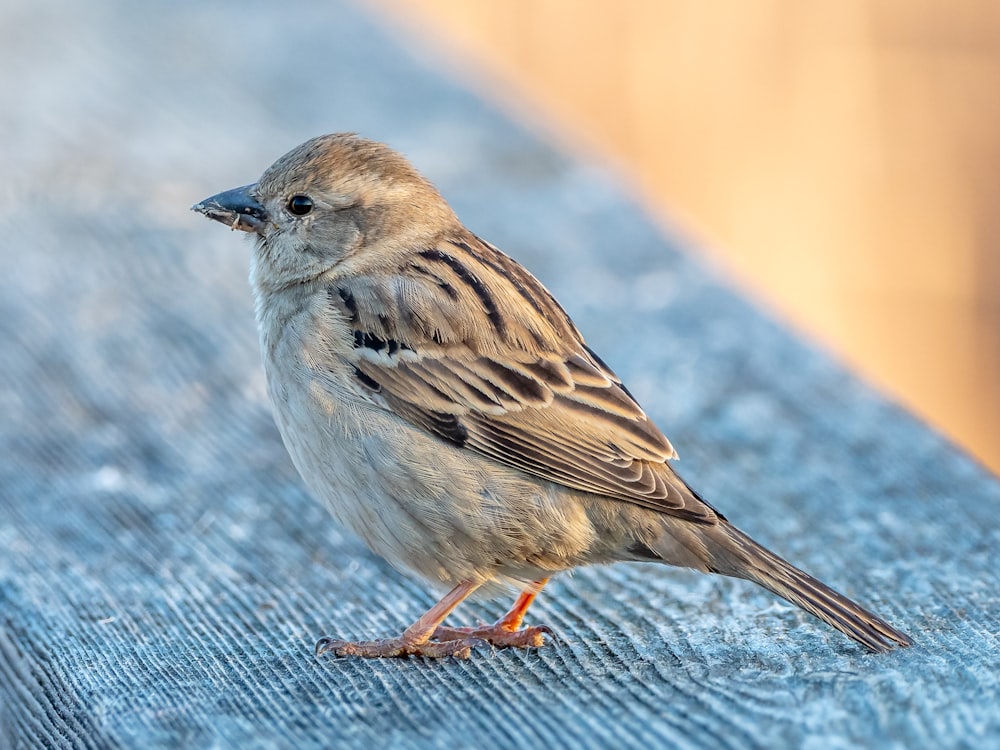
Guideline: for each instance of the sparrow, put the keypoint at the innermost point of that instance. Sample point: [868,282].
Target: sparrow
[442,404]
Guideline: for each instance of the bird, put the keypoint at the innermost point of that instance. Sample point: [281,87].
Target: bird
[443,405]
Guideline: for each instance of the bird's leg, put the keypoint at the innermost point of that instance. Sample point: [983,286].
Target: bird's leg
[416,639]
[507,631]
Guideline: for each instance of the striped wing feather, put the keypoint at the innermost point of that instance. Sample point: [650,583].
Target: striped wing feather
[516,383]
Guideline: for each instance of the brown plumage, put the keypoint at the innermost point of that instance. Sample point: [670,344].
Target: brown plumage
[443,404]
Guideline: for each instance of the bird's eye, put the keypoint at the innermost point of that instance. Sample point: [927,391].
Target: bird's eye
[300,205]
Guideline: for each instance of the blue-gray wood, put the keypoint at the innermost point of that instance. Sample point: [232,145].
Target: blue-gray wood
[163,576]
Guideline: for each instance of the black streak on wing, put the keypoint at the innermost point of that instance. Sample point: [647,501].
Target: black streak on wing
[472,281]
[521,387]
[601,363]
[367,381]
[371,341]
[548,373]
[448,427]
[364,340]
[644,551]
[442,284]
[506,273]
[642,431]
[349,303]
[523,282]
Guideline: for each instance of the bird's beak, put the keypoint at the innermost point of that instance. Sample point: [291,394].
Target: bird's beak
[237,209]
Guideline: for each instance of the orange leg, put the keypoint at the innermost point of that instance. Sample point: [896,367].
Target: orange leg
[416,639]
[507,631]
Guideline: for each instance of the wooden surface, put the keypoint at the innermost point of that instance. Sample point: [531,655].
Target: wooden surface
[840,159]
[163,576]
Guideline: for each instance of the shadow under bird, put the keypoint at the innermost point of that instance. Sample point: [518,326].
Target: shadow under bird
[446,409]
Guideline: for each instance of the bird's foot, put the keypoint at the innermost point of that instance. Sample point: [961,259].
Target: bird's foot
[386,648]
[500,635]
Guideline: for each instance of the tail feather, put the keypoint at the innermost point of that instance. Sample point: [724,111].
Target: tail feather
[735,554]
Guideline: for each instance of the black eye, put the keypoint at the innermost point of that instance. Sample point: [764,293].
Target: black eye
[300,205]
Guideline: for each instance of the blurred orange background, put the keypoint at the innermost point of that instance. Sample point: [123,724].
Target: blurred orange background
[840,160]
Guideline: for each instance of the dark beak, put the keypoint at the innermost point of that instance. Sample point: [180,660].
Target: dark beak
[236,208]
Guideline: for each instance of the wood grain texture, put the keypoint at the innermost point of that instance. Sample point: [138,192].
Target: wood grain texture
[163,576]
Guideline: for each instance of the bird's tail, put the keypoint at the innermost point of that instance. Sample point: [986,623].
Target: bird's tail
[733,553]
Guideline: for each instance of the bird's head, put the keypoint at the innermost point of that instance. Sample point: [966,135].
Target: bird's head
[335,204]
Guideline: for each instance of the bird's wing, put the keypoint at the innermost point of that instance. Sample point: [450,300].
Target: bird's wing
[514,382]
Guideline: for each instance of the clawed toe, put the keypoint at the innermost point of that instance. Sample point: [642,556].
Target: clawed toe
[497,635]
[397,647]
[456,642]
